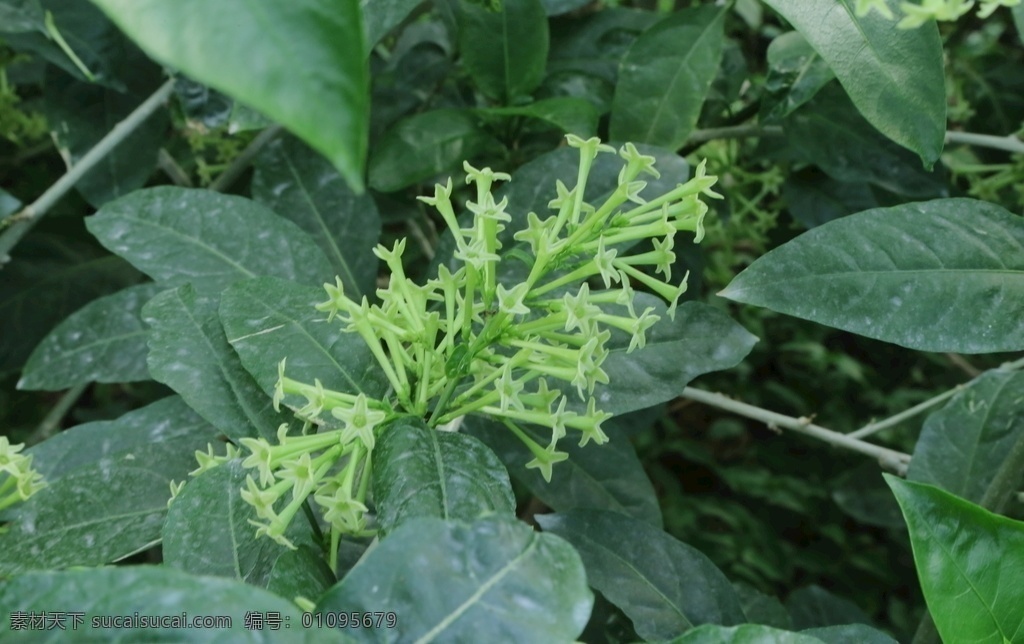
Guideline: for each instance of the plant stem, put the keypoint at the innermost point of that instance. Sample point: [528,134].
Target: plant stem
[242,161]
[872,428]
[171,168]
[890,459]
[1008,143]
[23,221]
[48,427]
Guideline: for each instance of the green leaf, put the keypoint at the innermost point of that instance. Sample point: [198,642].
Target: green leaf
[571,115]
[21,15]
[381,16]
[268,320]
[300,573]
[300,185]
[747,634]
[559,7]
[795,74]
[107,488]
[830,132]
[425,145]
[422,472]
[189,352]
[104,341]
[609,478]
[665,77]
[814,606]
[144,591]
[814,199]
[207,531]
[451,581]
[306,57]
[760,608]
[662,584]
[970,563]
[976,441]
[863,494]
[9,204]
[1018,20]
[504,51]
[850,634]
[80,114]
[894,76]
[48,279]
[943,275]
[179,236]
[94,40]
[701,339]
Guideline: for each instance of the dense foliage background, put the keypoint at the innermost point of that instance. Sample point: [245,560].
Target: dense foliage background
[801,127]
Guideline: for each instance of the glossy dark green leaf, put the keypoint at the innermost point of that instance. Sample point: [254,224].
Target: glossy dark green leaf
[970,563]
[453,582]
[894,76]
[95,41]
[189,352]
[662,584]
[104,341]
[762,609]
[47,279]
[145,591]
[207,530]
[571,115]
[863,494]
[701,339]
[203,104]
[267,320]
[107,488]
[975,443]
[795,74]
[746,634]
[504,51]
[381,16]
[300,573]
[609,478]
[595,44]
[179,236]
[665,77]
[829,132]
[424,472]
[814,199]
[80,114]
[422,146]
[558,7]
[1018,20]
[21,15]
[944,275]
[850,634]
[229,44]
[300,185]
[814,607]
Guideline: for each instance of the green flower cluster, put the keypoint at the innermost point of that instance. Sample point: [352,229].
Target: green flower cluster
[473,341]
[916,15]
[21,481]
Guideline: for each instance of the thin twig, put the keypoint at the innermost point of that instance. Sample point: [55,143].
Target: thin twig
[890,459]
[242,161]
[872,428]
[23,221]
[964,365]
[170,167]
[51,423]
[1008,143]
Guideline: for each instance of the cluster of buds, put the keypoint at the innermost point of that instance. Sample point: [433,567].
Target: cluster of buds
[18,481]
[916,15]
[470,342]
